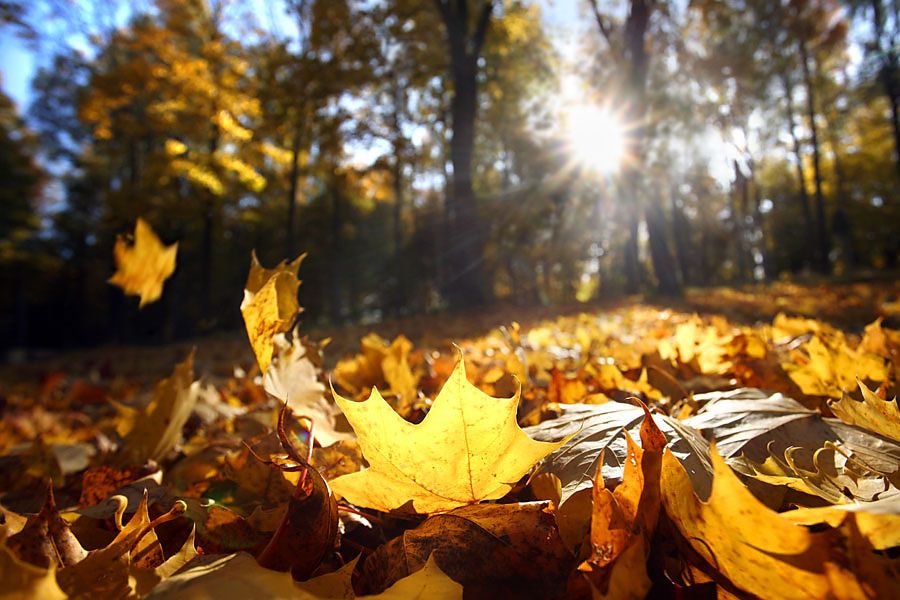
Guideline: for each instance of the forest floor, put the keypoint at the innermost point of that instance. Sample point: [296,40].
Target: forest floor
[782,467]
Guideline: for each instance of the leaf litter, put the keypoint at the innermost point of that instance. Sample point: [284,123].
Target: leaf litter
[604,453]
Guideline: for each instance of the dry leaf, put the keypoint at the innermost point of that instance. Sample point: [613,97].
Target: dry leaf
[270,305]
[749,544]
[152,432]
[872,413]
[143,266]
[467,449]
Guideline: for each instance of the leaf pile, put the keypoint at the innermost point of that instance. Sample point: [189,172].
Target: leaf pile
[613,454]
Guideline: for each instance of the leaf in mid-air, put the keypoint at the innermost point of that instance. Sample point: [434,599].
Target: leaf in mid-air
[143,266]
[270,305]
[467,449]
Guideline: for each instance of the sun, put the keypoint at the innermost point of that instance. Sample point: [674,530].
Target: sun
[596,137]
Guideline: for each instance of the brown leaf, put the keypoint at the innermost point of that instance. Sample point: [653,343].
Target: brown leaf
[493,550]
[46,540]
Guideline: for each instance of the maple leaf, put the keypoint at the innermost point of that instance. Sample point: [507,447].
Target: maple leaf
[467,449]
[830,367]
[143,266]
[270,305]
[873,413]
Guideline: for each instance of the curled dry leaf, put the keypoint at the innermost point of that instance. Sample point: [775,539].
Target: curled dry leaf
[308,531]
[626,517]
[467,449]
[143,266]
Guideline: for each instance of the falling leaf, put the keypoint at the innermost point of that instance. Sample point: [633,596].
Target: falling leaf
[270,305]
[752,546]
[468,448]
[152,432]
[873,413]
[143,266]
[493,550]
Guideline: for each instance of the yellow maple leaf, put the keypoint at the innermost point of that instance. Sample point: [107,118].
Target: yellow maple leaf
[467,449]
[748,543]
[873,413]
[144,265]
[270,305]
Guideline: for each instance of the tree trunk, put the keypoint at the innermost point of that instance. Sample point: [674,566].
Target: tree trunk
[681,232]
[822,245]
[464,285]
[798,155]
[890,65]
[637,61]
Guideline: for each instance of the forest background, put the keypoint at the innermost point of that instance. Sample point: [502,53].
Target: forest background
[441,154]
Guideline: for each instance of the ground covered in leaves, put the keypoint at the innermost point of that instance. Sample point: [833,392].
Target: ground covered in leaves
[744,443]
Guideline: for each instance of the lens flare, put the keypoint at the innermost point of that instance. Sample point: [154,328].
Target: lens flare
[596,137]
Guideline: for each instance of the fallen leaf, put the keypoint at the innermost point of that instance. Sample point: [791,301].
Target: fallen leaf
[872,413]
[493,550]
[270,305]
[632,508]
[238,576]
[24,580]
[293,378]
[878,521]
[467,449]
[46,539]
[143,266]
[749,544]
[152,432]
[308,531]
[598,430]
